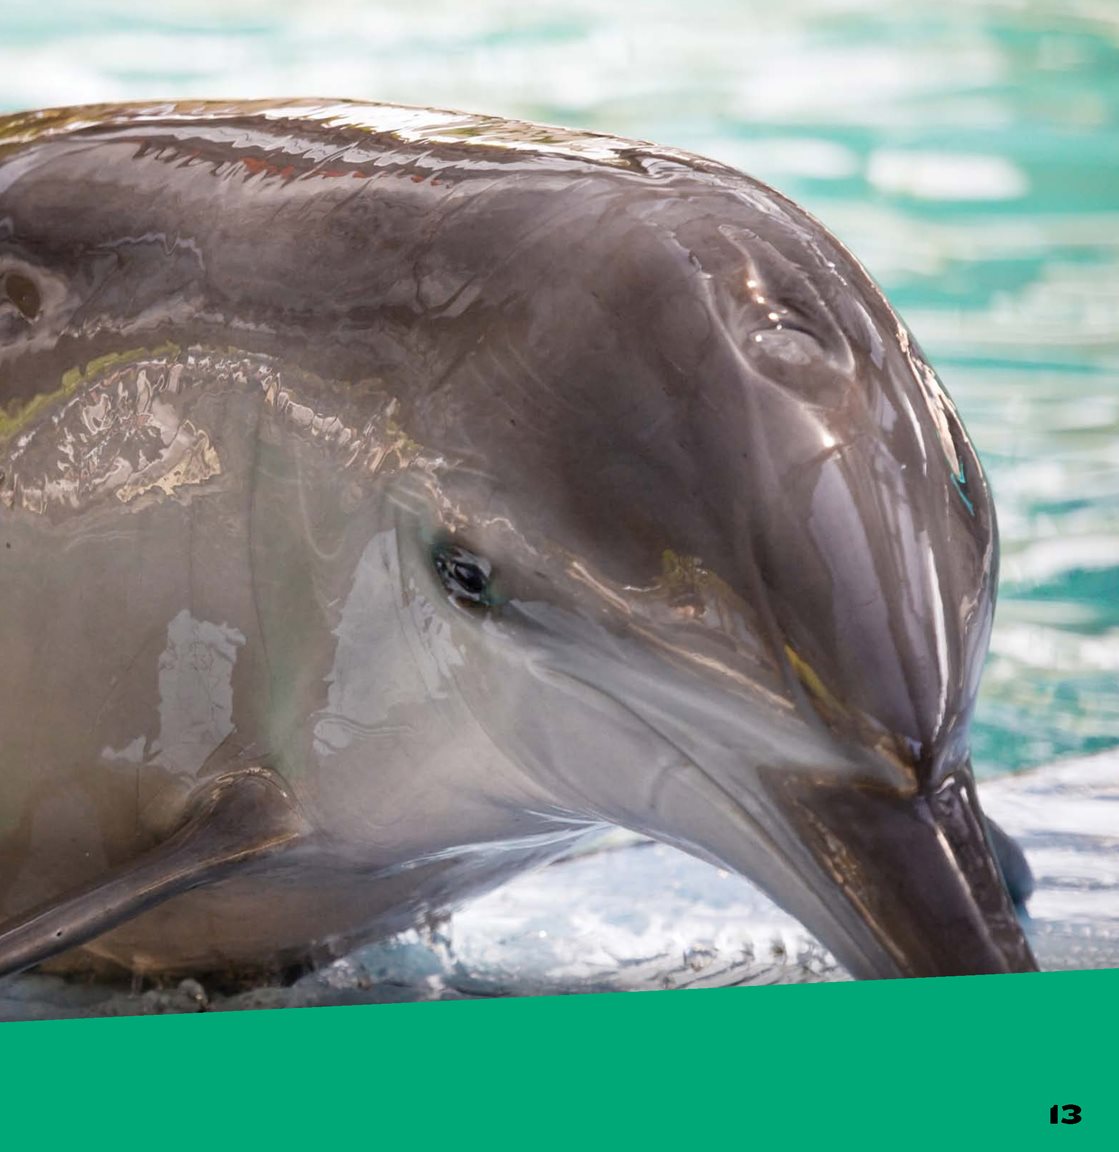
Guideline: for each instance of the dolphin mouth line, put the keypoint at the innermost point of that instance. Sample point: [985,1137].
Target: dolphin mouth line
[940,918]
[709,787]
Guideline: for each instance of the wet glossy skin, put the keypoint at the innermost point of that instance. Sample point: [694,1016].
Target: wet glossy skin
[262,370]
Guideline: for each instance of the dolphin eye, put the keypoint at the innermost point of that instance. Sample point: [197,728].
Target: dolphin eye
[20,291]
[465,575]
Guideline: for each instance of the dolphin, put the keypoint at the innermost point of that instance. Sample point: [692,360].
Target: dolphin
[393,497]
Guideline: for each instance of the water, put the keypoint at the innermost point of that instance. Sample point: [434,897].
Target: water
[967,152]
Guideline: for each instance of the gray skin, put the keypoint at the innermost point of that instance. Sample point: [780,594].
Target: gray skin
[393,497]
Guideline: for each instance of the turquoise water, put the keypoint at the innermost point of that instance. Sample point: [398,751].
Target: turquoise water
[968,152]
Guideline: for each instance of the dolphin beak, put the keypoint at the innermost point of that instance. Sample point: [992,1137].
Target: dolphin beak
[902,885]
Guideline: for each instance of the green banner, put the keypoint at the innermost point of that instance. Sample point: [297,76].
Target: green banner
[998,1062]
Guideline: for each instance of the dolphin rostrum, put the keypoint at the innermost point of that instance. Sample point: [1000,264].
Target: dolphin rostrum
[392,497]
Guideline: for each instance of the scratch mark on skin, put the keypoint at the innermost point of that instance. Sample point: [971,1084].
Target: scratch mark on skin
[134,442]
[195,692]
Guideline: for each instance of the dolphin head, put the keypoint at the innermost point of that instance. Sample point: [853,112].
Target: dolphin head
[714,553]
[733,531]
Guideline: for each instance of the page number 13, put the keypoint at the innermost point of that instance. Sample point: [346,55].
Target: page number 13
[1071,1114]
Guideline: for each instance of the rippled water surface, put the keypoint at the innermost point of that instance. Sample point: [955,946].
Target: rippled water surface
[968,153]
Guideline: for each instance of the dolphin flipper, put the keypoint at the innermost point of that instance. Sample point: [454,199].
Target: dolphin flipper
[1013,864]
[241,818]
